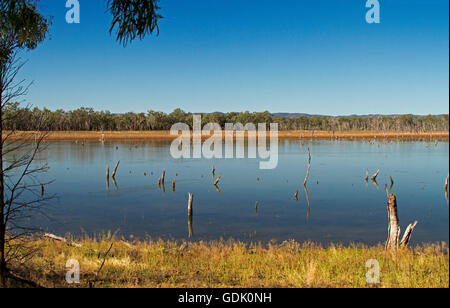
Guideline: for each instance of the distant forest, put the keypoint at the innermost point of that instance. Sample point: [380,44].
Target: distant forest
[87,119]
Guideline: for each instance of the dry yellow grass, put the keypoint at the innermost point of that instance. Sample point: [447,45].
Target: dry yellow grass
[233,264]
[90,136]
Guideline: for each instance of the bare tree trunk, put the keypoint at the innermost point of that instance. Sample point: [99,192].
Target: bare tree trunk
[191,200]
[2,199]
[309,168]
[394,229]
[393,242]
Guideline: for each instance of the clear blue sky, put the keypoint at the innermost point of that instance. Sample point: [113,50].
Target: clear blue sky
[314,56]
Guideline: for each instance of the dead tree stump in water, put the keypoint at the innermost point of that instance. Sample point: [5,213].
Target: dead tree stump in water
[218,180]
[446,183]
[190,202]
[163,177]
[309,168]
[446,188]
[392,182]
[115,170]
[374,177]
[393,242]
[190,215]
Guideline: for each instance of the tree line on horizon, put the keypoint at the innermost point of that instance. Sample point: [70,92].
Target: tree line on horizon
[87,119]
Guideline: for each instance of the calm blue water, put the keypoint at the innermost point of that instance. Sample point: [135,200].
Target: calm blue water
[343,207]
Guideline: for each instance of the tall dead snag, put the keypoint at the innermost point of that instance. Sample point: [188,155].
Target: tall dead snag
[446,188]
[393,242]
[115,170]
[309,168]
[392,183]
[218,180]
[446,184]
[191,200]
[407,236]
[190,215]
[163,177]
[374,177]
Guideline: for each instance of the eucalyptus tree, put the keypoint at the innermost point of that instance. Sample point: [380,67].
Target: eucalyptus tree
[22,27]
[134,19]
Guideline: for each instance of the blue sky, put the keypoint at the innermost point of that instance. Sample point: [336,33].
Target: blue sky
[312,56]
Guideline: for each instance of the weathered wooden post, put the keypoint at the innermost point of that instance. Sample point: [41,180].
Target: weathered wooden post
[393,242]
[173,185]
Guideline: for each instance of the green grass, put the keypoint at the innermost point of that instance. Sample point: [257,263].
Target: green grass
[233,264]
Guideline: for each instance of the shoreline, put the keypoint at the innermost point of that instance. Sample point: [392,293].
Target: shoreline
[94,136]
[231,264]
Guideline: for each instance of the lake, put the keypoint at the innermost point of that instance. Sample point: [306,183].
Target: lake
[342,208]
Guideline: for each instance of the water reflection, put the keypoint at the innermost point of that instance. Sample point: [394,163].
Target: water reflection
[308,213]
[374,181]
[191,226]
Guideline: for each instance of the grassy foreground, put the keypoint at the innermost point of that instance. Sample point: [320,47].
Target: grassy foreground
[232,264]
